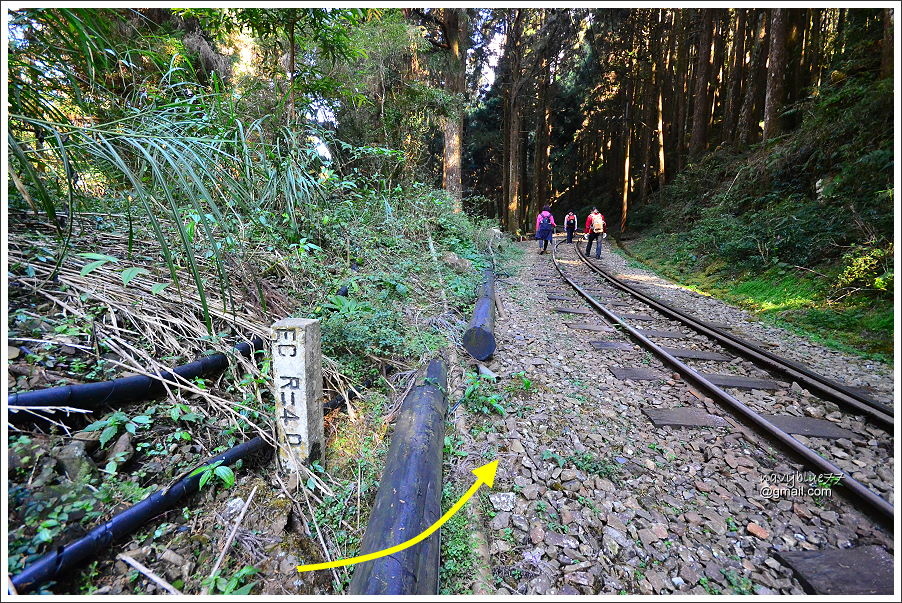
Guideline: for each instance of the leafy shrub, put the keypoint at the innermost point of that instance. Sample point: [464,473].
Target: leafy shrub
[868,266]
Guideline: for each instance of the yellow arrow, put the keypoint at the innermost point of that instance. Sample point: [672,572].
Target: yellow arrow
[485,475]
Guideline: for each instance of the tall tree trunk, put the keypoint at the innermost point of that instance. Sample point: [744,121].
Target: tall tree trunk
[505,153]
[510,70]
[513,167]
[701,108]
[841,31]
[526,201]
[670,90]
[803,76]
[816,48]
[658,77]
[542,153]
[681,90]
[886,60]
[646,164]
[734,85]
[793,81]
[748,115]
[455,23]
[776,71]
[718,62]
[627,134]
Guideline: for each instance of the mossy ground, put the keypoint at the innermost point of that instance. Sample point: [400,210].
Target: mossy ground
[804,302]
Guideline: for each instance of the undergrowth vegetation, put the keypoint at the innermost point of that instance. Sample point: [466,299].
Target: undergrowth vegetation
[800,228]
[163,208]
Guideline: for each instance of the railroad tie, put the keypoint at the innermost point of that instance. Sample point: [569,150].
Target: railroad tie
[741,382]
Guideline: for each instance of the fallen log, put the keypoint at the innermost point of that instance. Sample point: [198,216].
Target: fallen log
[479,339]
[409,496]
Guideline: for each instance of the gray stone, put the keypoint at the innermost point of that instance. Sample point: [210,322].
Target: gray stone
[78,467]
[554,539]
[298,390]
[531,492]
[501,520]
[866,570]
[582,578]
[537,534]
[503,501]
[647,537]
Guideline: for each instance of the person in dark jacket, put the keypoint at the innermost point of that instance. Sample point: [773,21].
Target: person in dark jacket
[570,225]
[545,227]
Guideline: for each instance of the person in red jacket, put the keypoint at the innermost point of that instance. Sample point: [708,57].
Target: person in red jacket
[595,227]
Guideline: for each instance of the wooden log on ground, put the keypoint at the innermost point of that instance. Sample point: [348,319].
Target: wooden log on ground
[479,339]
[409,496]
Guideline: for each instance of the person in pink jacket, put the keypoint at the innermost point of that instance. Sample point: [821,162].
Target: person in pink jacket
[544,228]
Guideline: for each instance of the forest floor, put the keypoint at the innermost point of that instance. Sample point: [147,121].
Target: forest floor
[590,497]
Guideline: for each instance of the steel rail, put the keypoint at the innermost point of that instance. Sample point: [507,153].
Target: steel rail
[819,385]
[855,488]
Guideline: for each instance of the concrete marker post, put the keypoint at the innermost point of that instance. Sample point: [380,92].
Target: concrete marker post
[298,388]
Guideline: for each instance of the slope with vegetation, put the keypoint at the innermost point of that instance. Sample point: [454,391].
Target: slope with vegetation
[178,181]
[798,228]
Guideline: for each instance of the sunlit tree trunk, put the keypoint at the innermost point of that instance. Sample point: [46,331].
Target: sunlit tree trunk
[455,22]
[794,80]
[816,48]
[734,85]
[511,134]
[513,167]
[541,167]
[715,81]
[627,135]
[658,76]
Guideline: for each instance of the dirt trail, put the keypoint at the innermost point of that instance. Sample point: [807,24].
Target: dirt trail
[592,498]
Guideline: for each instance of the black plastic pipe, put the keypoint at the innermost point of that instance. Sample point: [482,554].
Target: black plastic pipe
[479,339]
[61,560]
[128,389]
[409,496]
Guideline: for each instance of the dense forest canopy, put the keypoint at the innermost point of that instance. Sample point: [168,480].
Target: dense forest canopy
[505,109]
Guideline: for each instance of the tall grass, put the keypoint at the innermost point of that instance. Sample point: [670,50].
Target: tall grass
[182,152]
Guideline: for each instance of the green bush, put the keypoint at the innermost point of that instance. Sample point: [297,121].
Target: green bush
[868,266]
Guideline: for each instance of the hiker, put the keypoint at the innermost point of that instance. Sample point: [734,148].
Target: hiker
[544,228]
[570,226]
[595,227]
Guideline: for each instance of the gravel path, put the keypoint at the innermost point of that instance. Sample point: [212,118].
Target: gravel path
[591,498]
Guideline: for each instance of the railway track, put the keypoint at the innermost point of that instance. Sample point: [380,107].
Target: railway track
[634,318]
[822,386]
